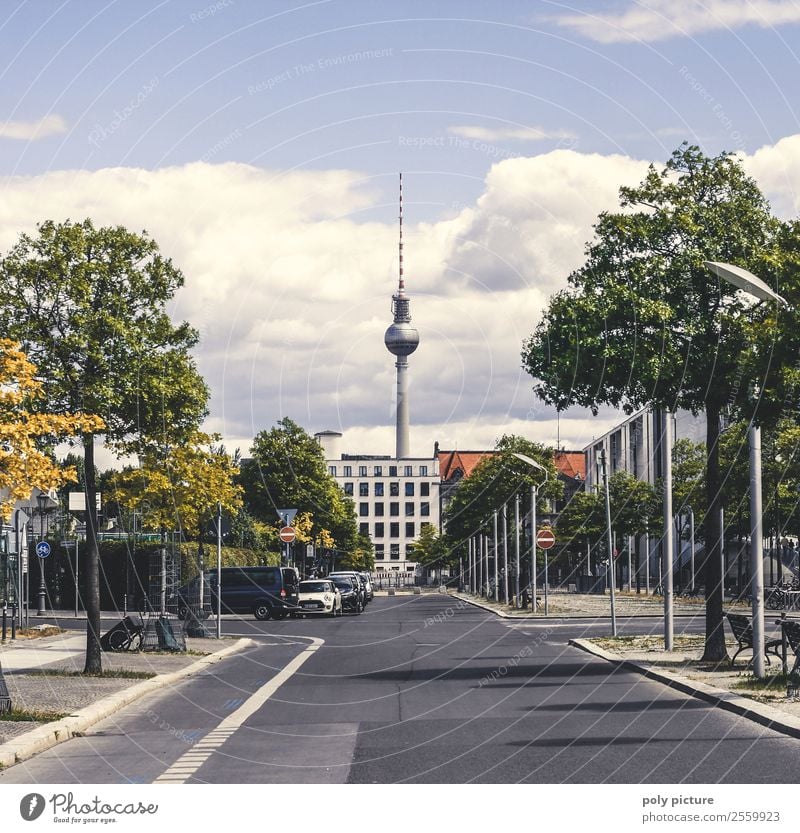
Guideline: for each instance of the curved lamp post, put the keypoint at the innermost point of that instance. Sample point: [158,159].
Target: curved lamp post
[534,493]
[749,283]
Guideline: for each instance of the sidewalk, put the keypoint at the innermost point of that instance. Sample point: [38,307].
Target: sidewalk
[585,605]
[44,680]
[733,689]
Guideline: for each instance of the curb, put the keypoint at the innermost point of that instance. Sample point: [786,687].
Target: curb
[761,713]
[45,737]
[525,617]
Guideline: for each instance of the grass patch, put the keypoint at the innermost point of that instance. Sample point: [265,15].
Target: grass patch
[120,674]
[647,643]
[32,716]
[38,632]
[773,682]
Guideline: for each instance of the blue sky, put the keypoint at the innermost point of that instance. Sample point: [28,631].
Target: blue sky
[498,113]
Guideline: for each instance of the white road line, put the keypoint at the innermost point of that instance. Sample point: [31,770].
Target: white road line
[188,764]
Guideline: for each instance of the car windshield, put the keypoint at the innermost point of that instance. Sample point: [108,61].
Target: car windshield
[314,587]
[343,583]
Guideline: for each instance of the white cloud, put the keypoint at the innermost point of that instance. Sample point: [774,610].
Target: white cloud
[655,20]
[290,286]
[527,134]
[31,130]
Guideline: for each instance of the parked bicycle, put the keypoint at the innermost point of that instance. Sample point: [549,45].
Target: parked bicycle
[783,596]
[126,635]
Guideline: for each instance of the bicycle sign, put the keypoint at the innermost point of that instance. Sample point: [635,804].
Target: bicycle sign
[43,549]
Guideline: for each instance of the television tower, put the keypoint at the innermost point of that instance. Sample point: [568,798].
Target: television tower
[401,339]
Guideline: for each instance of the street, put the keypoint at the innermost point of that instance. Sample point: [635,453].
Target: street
[422,689]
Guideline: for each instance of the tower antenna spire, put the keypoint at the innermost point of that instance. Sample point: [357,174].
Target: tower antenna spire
[401,285]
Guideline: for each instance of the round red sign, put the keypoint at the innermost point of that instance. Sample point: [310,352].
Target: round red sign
[545,539]
[287,534]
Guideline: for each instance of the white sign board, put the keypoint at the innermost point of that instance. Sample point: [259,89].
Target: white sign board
[77,501]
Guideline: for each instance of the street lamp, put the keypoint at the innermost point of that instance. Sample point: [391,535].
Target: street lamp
[613,581]
[749,283]
[42,500]
[534,493]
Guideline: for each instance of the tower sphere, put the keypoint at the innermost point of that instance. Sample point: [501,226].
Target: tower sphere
[401,338]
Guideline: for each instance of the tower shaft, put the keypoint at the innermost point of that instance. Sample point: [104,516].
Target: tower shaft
[402,443]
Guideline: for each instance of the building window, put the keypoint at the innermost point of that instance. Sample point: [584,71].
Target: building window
[409,490]
[425,489]
[379,490]
[363,509]
[410,530]
[378,471]
[364,529]
[348,489]
[425,510]
[410,553]
[379,533]
[379,552]
[394,552]
[378,510]
[394,489]
[363,489]
[410,509]
[362,471]
[394,530]
[348,471]
[394,509]
[409,471]
[392,471]
[423,471]
[332,471]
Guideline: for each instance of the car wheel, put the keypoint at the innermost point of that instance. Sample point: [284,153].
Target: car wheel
[262,612]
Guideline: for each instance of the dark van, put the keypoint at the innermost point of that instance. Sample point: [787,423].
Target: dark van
[266,592]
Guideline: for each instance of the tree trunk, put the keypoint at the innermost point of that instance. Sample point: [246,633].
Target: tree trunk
[715,650]
[92,564]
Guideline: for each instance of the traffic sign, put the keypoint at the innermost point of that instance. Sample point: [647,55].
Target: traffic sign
[287,534]
[287,516]
[43,549]
[545,539]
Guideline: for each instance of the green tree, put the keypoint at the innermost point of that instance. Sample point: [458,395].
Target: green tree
[430,548]
[643,320]
[493,482]
[287,470]
[89,307]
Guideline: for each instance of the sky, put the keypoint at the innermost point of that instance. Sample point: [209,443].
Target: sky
[260,143]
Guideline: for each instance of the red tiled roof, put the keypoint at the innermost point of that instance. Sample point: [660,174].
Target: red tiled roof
[449,461]
[571,464]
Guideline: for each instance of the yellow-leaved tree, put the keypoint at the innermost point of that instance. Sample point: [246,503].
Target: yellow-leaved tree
[25,463]
[181,487]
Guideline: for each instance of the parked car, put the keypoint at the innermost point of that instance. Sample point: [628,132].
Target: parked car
[350,591]
[359,581]
[369,587]
[319,596]
[266,592]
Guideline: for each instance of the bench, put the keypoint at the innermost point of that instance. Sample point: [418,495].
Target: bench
[791,633]
[742,629]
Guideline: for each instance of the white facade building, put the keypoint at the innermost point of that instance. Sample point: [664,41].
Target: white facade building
[394,498]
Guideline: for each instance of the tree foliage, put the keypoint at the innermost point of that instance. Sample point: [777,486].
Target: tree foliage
[89,307]
[643,321]
[494,482]
[287,471]
[25,437]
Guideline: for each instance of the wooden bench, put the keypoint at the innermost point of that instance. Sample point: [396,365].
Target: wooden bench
[791,633]
[742,628]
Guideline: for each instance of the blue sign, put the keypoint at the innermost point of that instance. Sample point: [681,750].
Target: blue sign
[43,549]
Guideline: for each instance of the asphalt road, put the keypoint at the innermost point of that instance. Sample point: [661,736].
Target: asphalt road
[419,689]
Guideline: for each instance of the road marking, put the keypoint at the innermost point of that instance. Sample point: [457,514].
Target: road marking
[188,764]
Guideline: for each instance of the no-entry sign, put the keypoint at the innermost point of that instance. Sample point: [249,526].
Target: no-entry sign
[545,539]
[287,534]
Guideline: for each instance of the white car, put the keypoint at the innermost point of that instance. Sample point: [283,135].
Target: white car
[319,596]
